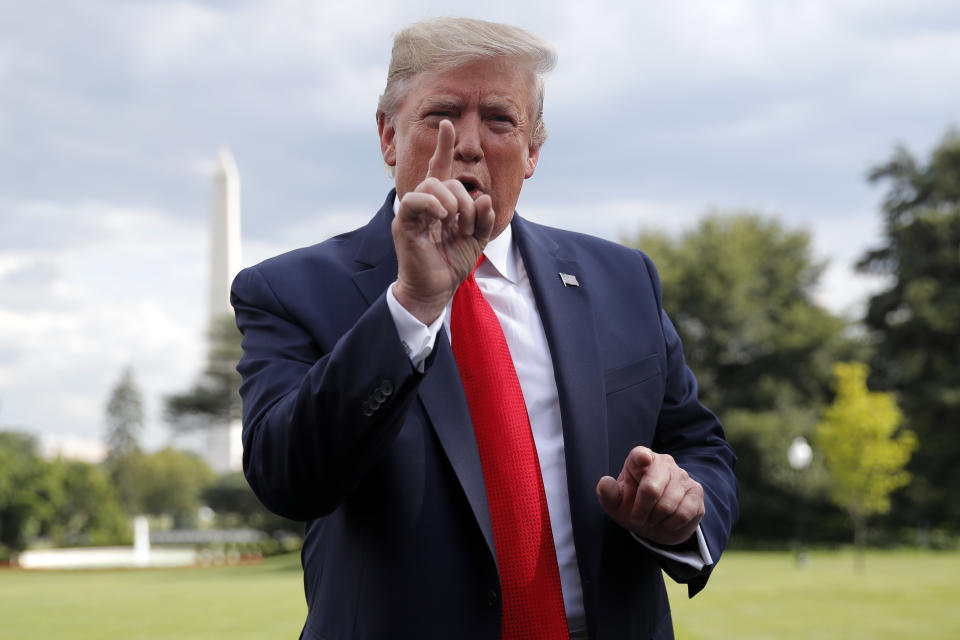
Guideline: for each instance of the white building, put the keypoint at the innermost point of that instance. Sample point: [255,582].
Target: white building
[222,448]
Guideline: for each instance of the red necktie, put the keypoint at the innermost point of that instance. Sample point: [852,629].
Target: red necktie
[529,577]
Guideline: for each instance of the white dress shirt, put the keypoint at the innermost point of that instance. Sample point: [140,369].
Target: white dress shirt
[503,281]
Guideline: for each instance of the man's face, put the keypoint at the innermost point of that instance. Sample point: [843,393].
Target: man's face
[488,102]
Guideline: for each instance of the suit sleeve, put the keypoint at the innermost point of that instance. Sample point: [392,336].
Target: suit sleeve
[693,435]
[314,422]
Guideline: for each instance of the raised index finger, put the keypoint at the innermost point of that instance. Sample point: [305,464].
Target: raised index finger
[638,461]
[441,164]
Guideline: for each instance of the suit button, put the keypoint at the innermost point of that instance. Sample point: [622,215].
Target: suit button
[386,387]
[492,598]
[379,396]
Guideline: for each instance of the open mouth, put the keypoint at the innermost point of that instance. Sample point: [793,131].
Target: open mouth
[472,187]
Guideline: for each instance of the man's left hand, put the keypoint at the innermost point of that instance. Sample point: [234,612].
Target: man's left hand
[653,497]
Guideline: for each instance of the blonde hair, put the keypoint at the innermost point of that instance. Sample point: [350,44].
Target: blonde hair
[442,44]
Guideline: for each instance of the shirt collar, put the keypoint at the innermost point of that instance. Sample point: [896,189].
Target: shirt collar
[500,253]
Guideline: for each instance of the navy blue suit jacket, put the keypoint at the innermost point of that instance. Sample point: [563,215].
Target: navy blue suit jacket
[341,431]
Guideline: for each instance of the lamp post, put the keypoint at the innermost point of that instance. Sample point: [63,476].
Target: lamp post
[799,456]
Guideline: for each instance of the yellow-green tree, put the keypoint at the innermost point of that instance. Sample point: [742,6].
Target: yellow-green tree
[863,450]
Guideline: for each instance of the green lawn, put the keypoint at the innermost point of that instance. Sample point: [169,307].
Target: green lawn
[255,602]
[750,596]
[764,595]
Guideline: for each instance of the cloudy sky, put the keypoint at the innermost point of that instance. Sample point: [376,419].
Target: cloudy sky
[111,114]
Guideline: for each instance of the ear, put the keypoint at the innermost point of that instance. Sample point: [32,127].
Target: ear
[387,134]
[532,158]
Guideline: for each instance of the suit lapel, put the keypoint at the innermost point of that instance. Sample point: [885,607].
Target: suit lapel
[567,317]
[441,392]
[376,259]
[445,402]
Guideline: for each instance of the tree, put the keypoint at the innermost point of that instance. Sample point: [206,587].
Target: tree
[739,288]
[124,423]
[214,398]
[88,511]
[67,502]
[170,482]
[237,506]
[864,456]
[124,417]
[915,321]
[28,493]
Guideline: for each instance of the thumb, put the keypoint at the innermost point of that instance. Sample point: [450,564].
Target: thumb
[608,493]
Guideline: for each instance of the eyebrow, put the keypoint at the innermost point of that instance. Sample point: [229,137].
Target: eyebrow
[500,104]
[493,103]
[442,103]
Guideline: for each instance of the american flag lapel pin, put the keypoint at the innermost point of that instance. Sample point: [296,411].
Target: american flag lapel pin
[569,280]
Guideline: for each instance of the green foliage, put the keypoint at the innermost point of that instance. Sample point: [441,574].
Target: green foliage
[765,430]
[124,417]
[65,502]
[739,289]
[865,460]
[89,511]
[864,454]
[170,482]
[915,322]
[235,504]
[28,492]
[215,397]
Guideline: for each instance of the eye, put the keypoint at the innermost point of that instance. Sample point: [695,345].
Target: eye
[501,122]
[432,118]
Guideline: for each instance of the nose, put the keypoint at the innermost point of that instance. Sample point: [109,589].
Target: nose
[468,147]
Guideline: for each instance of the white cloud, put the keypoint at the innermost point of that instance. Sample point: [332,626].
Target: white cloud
[177,33]
[842,240]
[659,112]
[129,294]
[846,292]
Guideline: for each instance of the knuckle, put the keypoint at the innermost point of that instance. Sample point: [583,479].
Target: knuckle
[691,510]
[651,489]
[666,507]
[685,512]
[428,185]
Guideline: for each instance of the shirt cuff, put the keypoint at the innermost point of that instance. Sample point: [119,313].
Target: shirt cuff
[416,338]
[696,559]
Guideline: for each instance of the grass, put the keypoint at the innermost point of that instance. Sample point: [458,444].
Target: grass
[902,594]
[257,601]
[751,596]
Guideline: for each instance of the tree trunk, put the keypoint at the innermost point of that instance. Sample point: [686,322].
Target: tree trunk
[859,542]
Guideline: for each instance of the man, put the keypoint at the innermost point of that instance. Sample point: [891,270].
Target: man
[443,498]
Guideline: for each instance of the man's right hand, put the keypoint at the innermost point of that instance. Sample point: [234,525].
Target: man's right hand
[439,233]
